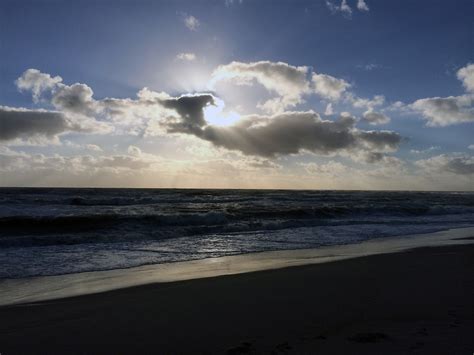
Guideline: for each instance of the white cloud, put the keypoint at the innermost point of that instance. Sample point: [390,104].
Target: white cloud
[362,5]
[134,151]
[375,118]
[328,86]
[369,104]
[445,111]
[35,81]
[423,151]
[466,75]
[232,2]
[471,147]
[94,147]
[331,168]
[191,22]
[186,56]
[289,82]
[344,7]
[456,163]
[329,110]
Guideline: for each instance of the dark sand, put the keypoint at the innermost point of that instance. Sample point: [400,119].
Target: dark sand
[416,302]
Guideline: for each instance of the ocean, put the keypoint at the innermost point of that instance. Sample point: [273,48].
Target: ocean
[53,231]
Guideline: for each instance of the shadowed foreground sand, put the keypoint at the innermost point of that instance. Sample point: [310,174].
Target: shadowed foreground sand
[415,302]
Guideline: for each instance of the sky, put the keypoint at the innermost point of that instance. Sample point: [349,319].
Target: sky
[300,94]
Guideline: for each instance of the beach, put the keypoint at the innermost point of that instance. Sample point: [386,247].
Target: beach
[419,301]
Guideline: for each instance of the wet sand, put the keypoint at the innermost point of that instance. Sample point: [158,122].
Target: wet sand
[413,302]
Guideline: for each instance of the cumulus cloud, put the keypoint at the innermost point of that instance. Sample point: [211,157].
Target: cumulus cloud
[466,75]
[369,104]
[328,86]
[35,81]
[375,118]
[24,123]
[289,82]
[186,56]
[282,133]
[191,112]
[290,133]
[76,100]
[445,111]
[34,125]
[191,22]
[457,163]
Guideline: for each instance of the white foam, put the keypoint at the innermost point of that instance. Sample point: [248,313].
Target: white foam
[17,291]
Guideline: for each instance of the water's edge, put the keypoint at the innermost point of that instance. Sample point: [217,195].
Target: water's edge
[35,289]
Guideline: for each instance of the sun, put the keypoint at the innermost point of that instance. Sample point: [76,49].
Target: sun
[217,115]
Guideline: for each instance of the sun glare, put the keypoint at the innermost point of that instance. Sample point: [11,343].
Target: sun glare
[217,115]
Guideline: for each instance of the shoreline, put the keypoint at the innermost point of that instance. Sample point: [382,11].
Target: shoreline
[45,288]
[417,301]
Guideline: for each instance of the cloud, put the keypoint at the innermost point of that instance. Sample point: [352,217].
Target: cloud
[445,111]
[328,86]
[129,116]
[76,98]
[362,5]
[466,75]
[35,81]
[186,56]
[288,81]
[191,22]
[289,133]
[93,147]
[471,147]
[37,125]
[344,8]
[191,111]
[331,168]
[369,66]
[134,151]
[369,104]
[457,163]
[329,110]
[229,3]
[282,133]
[423,151]
[375,118]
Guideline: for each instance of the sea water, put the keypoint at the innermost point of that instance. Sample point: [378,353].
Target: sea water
[49,231]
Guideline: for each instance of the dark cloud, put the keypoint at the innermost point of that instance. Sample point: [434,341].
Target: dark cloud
[23,123]
[28,124]
[291,133]
[191,111]
[76,98]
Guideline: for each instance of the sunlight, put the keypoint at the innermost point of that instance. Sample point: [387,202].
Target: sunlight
[216,114]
